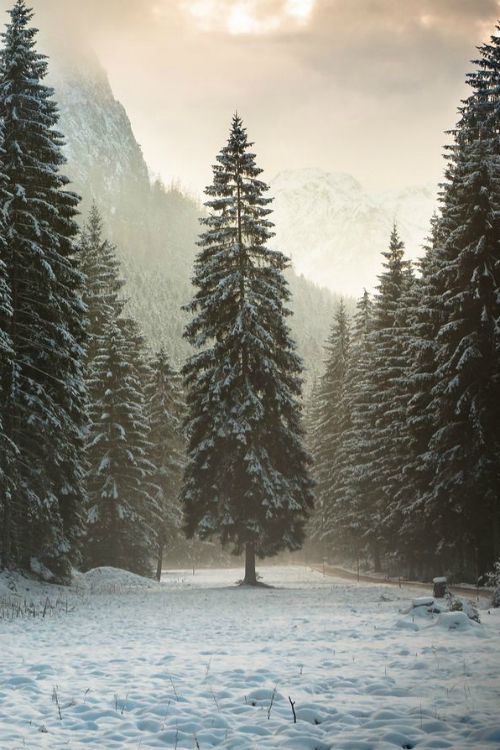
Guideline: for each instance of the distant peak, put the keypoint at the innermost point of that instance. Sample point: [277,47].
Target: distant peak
[296,178]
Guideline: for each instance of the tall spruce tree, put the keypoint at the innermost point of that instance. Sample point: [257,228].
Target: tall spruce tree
[312,420]
[122,518]
[333,422]
[419,535]
[165,410]
[246,479]
[388,367]
[103,284]
[354,482]
[465,447]
[42,382]
[7,449]
[403,547]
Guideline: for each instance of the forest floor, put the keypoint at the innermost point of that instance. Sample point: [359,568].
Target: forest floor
[197,662]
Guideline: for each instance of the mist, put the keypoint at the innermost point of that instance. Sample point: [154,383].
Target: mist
[363,88]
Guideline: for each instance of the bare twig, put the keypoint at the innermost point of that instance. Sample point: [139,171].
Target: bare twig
[173,688]
[272,701]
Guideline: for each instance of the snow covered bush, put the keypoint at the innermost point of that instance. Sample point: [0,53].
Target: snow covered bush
[457,604]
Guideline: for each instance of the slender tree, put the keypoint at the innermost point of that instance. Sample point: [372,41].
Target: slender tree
[165,413]
[333,415]
[419,537]
[103,284]
[388,366]
[246,479]
[122,520]
[353,485]
[7,449]
[42,381]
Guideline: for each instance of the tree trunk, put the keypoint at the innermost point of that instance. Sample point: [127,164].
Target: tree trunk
[250,574]
[160,561]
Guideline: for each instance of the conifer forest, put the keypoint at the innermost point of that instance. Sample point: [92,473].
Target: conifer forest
[293,381]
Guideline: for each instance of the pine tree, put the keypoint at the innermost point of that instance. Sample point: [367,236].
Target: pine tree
[246,479]
[7,449]
[333,423]
[312,418]
[103,284]
[354,482]
[122,519]
[418,532]
[388,367]
[165,415]
[42,380]
[465,447]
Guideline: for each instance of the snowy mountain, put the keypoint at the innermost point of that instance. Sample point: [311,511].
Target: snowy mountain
[155,229]
[104,155]
[334,230]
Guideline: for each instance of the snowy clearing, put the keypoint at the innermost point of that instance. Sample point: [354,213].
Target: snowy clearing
[198,663]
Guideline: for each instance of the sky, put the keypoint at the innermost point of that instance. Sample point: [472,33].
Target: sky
[366,87]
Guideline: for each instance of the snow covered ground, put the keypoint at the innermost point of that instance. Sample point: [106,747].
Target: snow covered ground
[198,663]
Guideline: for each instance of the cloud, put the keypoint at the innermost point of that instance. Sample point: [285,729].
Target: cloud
[249,16]
[363,86]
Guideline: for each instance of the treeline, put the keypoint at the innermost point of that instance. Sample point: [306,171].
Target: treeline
[90,436]
[405,421]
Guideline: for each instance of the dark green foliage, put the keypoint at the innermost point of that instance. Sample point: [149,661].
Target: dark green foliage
[465,446]
[387,363]
[354,483]
[246,479]
[123,508]
[43,394]
[165,409]
[332,424]
[423,480]
[123,517]
[103,285]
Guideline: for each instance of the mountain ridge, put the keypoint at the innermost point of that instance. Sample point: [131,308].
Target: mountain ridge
[335,230]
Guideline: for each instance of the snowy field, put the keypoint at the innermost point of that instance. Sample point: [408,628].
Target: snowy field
[198,663]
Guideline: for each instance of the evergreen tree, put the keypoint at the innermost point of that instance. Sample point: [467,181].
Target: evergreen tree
[419,537]
[246,479]
[7,449]
[312,415]
[165,414]
[122,519]
[333,422]
[465,447]
[388,364]
[354,482]
[103,284]
[397,525]
[42,383]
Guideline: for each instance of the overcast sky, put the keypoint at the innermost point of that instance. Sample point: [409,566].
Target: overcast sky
[360,86]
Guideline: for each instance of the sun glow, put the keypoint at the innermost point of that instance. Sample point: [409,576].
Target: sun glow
[248,16]
[300,9]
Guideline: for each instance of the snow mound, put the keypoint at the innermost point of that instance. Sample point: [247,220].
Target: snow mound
[14,583]
[108,580]
[446,614]
[453,621]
